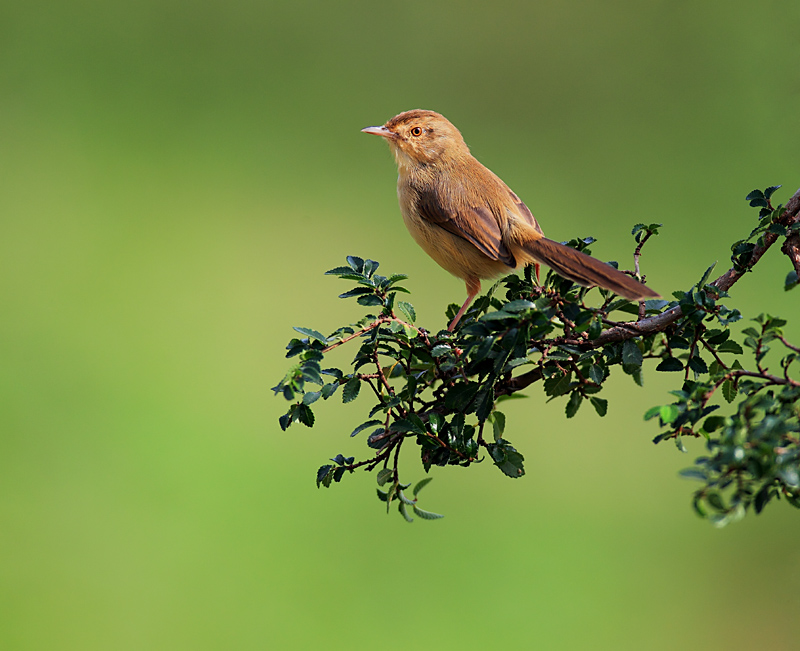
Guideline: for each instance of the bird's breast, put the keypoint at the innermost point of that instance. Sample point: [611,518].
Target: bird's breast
[450,251]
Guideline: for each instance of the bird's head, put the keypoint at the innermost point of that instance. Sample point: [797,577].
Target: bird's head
[421,138]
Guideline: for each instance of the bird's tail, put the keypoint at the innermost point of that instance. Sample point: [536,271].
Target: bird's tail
[586,270]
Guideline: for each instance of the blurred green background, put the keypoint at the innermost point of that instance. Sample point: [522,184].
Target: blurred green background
[177,176]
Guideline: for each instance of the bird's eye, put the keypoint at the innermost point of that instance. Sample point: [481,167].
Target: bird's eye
[416,131]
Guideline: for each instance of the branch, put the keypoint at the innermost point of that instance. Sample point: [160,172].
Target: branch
[660,322]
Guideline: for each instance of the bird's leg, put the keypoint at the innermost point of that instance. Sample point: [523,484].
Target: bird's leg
[473,289]
[536,273]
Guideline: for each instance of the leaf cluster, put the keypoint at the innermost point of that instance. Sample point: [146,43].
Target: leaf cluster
[441,393]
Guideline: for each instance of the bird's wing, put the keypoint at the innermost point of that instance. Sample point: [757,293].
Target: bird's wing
[524,212]
[476,224]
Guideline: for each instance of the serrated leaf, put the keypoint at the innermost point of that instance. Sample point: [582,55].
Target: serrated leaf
[356,263]
[730,346]
[706,276]
[670,364]
[329,389]
[305,415]
[507,459]
[404,512]
[600,405]
[426,515]
[573,404]
[384,475]
[351,389]
[363,426]
[698,364]
[338,271]
[557,385]
[440,349]
[401,496]
[631,355]
[311,334]
[596,374]
[460,396]
[369,301]
[422,483]
[518,306]
[325,476]
[498,419]
[408,310]
[357,291]
[729,390]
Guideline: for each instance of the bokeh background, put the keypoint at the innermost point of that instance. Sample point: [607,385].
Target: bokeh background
[177,176]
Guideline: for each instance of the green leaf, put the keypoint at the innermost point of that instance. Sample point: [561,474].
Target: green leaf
[440,349]
[698,364]
[668,413]
[730,346]
[596,374]
[519,306]
[729,390]
[325,476]
[422,483]
[338,271]
[312,334]
[351,389]
[408,311]
[652,412]
[791,281]
[498,419]
[756,199]
[558,385]
[713,423]
[370,300]
[426,515]
[363,426]
[305,415]
[574,403]
[631,355]
[384,475]
[329,389]
[404,511]
[694,473]
[507,459]
[356,263]
[357,291]
[600,405]
[670,364]
[460,396]
[706,276]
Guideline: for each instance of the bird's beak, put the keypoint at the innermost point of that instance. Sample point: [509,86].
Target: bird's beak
[380,131]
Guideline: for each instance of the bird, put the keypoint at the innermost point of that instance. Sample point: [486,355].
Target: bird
[469,221]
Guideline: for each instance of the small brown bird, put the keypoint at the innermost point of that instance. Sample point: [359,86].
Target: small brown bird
[469,221]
